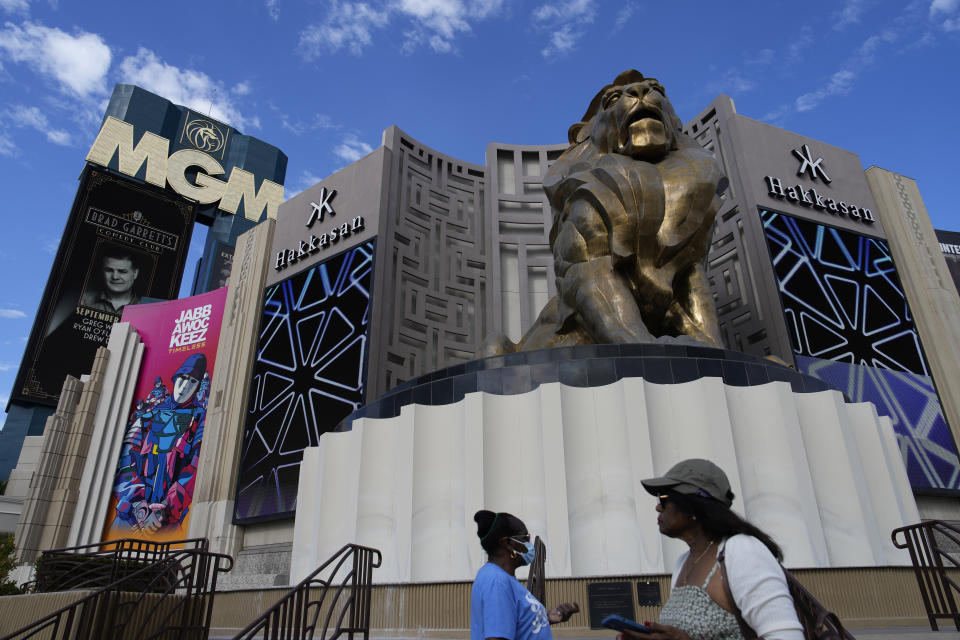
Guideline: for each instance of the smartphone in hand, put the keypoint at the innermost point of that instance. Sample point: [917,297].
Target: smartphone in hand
[619,623]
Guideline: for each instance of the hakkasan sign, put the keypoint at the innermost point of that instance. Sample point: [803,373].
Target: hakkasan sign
[153,483]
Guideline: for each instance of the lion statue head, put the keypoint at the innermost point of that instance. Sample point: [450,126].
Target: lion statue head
[633,201]
[632,117]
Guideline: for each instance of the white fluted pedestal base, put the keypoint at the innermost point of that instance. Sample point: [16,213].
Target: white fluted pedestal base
[823,477]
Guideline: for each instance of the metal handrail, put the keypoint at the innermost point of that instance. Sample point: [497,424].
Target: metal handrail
[174,599]
[298,617]
[930,562]
[92,566]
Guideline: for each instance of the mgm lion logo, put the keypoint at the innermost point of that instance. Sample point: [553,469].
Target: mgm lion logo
[205,135]
[633,201]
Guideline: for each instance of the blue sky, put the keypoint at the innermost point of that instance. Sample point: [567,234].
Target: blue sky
[322,79]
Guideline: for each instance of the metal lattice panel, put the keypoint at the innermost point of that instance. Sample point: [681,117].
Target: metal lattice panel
[434,269]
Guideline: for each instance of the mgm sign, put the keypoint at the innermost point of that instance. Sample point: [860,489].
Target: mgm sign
[154,170]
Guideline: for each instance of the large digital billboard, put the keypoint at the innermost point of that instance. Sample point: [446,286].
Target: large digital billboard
[123,242]
[153,482]
[309,374]
[950,246]
[850,325]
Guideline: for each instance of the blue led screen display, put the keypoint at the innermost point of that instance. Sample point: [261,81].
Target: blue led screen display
[850,325]
[308,375]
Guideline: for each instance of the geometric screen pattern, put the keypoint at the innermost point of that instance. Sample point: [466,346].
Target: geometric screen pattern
[309,374]
[843,303]
[841,295]
[926,444]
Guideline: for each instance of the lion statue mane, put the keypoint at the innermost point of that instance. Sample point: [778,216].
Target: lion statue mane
[633,201]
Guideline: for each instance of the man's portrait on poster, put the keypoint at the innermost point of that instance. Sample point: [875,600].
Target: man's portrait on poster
[115,278]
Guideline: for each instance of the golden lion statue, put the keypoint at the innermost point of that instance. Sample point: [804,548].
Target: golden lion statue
[633,201]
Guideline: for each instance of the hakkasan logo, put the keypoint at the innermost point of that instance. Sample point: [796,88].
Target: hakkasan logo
[819,200]
[205,135]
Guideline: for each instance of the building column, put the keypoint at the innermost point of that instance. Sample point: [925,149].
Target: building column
[926,281]
[211,514]
[106,437]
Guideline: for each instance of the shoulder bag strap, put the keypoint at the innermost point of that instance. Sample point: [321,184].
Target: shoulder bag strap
[745,630]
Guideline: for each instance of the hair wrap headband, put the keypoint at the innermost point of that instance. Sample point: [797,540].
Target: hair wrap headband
[489,531]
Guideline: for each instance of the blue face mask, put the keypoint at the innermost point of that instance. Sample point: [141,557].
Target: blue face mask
[528,553]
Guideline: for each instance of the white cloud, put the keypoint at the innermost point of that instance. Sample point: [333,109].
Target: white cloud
[804,40]
[943,6]
[839,84]
[776,116]
[924,41]
[351,149]
[731,82]
[764,56]
[15,6]
[51,245]
[242,88]
[348,26]
[320,122]
[565,21]
[626,12]
[59,136]
[562,41]
[871,44]
[307,179]
[565,11]
[12,314]
[7,148]
[190,88]
[6,366]
[841,81]
[79,63]
[945,11]
[33,118]
[273,9]
[849,14]
[436,23]
[444,18]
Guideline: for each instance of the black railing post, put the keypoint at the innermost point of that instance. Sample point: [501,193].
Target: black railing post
[167,592]
[297,615]
[927,557]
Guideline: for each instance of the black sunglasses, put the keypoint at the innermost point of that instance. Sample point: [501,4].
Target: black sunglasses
[664,498]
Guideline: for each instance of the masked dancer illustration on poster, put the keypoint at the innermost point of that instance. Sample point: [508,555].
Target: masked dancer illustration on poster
[160,451]
[155,475]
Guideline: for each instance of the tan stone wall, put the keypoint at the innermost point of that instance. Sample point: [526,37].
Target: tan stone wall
[107,417]
[863,598]
[49,506]
[213,498]
[929,288]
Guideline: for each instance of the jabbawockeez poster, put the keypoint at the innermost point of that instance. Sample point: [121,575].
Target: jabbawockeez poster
[153,484]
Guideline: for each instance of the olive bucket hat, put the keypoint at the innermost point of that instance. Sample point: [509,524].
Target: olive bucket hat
[693,477]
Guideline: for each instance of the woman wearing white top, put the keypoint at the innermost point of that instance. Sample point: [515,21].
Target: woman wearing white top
[694,506]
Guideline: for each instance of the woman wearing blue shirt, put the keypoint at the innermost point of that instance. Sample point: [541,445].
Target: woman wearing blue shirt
[501,608]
